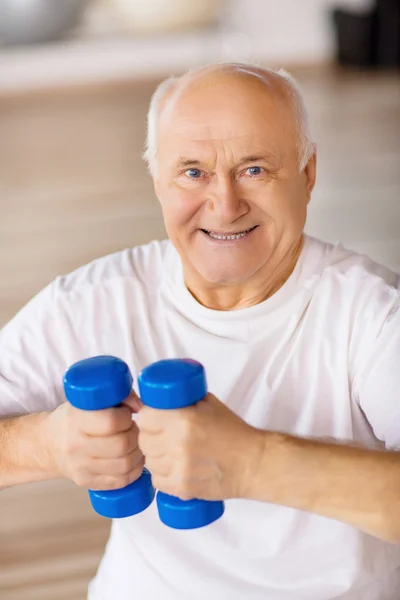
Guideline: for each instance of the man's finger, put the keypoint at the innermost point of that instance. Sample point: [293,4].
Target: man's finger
[133,402]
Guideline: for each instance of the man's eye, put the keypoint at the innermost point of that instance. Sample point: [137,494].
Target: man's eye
[254,170]
[193,173]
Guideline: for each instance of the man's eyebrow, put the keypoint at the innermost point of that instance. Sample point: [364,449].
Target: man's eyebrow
[187,162]
[257,158]
[192,162]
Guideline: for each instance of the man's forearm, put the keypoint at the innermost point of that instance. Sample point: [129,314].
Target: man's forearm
[357,486]
[24,452]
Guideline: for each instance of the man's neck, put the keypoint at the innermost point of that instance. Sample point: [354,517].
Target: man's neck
[263,287]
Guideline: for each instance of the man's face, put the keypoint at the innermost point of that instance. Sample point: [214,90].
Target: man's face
[227,165]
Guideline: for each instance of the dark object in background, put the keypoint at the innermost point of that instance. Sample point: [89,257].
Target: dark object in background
[355,36]
[388,33]
[370,39]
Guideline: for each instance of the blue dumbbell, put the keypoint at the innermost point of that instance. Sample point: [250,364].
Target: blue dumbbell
[95,384]
[171,384]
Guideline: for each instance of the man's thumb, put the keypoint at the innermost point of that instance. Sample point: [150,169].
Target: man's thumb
[133,402]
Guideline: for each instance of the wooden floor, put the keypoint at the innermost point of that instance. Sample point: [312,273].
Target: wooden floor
[73,187]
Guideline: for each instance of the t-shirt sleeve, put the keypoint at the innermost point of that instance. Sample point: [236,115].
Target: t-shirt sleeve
[378,380]
[32,363]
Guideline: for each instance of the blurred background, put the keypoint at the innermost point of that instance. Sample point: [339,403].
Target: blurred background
[76,77]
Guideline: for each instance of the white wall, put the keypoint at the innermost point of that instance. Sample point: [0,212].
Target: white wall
[282,31]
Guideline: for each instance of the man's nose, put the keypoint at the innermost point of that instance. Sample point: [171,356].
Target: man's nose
[225,201]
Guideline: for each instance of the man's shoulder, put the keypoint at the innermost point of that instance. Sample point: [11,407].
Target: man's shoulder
[143,263]
[353,282]
[98,283]
[352,268]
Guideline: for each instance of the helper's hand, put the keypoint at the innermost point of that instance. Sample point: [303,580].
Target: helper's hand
[96,449]
[203,451]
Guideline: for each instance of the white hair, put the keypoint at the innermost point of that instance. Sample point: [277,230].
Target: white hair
[305,145]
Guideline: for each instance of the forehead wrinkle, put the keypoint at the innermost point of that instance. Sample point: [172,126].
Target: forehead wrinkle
[211,138]
[176,111]
[190,131]
[186,126]
[250,144]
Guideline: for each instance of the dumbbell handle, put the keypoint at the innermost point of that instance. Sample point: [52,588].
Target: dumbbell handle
[172,384]
[98,383]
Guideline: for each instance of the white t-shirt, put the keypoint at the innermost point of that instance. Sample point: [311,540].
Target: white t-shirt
[320,358]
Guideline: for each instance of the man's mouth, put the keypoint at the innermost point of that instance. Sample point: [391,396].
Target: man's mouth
[216,235]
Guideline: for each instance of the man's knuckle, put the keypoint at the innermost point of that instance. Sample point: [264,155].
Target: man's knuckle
[126,464]
[80,464]
[131,440]
[110,422]
[109,483]
[82,479]
[124,480]
[122,445]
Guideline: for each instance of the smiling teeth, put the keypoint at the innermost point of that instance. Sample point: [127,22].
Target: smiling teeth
[236,236]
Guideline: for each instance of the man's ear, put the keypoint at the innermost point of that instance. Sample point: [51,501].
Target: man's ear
[310,172]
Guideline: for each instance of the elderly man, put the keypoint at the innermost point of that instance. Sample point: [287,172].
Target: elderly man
[301,344]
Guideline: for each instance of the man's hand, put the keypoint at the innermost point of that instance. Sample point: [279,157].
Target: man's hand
[95,449]
[203,451]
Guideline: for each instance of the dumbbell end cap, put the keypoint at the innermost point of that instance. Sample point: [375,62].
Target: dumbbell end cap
[187,514]
[125,502]
[97,383]
[172,383]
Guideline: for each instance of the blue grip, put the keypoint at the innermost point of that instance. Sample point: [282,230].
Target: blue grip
[95,384]
[171,384]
